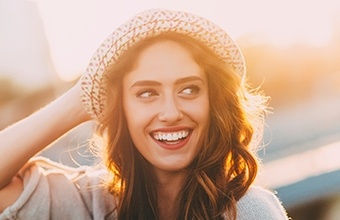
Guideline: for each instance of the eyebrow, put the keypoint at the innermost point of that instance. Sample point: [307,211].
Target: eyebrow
[142,83]
[188,79]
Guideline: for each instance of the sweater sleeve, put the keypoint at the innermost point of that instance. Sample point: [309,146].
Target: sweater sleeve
[260,204]
[52,191]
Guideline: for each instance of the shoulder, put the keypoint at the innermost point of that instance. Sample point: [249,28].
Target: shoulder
[51,190]
[260,203]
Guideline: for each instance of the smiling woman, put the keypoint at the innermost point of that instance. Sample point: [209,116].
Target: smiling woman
[169,108]
[175,131]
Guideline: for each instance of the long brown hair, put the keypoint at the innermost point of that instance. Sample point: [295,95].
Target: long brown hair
[224,168]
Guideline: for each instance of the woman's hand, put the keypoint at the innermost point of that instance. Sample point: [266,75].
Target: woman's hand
[21,141]
[74,96]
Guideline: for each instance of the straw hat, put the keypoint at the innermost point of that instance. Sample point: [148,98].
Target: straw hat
[146,24]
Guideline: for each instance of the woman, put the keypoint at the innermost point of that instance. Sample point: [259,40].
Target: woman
[176,122]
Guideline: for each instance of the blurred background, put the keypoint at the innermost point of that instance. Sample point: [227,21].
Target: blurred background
[292,50]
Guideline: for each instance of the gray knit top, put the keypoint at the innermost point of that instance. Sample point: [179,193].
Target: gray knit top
[55,192]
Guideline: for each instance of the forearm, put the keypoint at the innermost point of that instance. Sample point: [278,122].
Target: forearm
[21,141]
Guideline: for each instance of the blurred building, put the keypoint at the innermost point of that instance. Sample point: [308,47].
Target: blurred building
[24,53]
[28,79]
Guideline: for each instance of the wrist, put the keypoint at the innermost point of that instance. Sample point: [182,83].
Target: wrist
[71,105]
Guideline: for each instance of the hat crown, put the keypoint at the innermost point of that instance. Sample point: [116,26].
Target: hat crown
[146,24]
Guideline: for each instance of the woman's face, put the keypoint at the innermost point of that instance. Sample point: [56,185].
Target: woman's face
[166,105]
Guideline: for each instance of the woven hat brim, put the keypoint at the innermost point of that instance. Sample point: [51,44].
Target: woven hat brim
[146,24]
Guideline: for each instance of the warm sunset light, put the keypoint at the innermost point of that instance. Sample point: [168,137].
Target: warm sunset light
[291,50]
[75,35]
[307,27]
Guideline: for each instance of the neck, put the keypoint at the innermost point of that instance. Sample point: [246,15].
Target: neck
[168,186]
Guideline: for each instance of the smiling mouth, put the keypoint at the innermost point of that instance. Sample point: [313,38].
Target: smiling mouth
[170,137]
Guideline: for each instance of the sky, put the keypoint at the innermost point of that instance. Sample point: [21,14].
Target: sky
[75,28]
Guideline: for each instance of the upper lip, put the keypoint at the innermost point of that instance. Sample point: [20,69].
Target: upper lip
[171,129]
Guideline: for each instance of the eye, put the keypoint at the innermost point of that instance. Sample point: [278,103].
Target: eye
[146,94]
[191,90]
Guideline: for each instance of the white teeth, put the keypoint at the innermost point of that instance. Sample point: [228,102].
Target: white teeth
[170,136]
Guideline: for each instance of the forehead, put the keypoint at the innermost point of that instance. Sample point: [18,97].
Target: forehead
[164,51]
[165,59]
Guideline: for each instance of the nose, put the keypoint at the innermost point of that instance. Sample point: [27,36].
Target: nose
[170,111]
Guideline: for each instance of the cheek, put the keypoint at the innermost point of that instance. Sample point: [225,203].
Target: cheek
[199,110]
[137,117]
[203,118]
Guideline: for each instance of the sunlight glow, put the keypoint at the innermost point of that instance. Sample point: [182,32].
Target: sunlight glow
[68,76]
[313,162]
[84,24]
[313,27]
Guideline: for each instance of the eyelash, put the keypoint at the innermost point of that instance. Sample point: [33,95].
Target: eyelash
[195,89]
[147,93]
[150,93]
